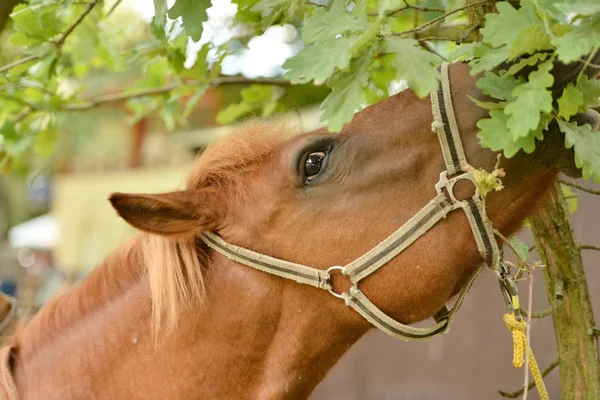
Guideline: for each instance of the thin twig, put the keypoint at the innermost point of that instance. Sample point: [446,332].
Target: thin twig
[431,49]
[528,331]
[440,18]
[408,6]
[589,247]
[544,313]
[576,186]
[115,98]
[59,43]
[587,62]
[113,7]
[431,38]
[23,114]
[74,25]
[24,60]
[514,395]
[468,33]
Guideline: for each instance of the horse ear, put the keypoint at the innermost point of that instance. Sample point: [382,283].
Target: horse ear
[186,212]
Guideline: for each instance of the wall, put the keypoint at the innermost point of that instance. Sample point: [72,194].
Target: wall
[90,227]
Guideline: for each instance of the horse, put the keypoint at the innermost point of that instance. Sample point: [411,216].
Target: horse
[168,317]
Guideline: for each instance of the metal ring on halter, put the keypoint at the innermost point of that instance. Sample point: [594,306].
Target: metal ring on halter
[448,184]
[335,268]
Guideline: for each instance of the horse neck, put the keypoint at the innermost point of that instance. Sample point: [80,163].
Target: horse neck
[258,338]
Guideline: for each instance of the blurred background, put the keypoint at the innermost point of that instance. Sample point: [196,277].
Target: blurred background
[56,224]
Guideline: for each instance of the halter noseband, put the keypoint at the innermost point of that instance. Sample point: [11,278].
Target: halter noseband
[456,170]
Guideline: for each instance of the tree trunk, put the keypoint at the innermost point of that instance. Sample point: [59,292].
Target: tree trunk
[573,317]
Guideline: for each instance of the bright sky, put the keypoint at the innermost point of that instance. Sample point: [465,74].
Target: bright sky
[263,56]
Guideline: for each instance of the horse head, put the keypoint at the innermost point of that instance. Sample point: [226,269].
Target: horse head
[323,199]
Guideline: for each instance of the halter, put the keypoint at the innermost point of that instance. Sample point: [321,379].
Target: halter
[444,124]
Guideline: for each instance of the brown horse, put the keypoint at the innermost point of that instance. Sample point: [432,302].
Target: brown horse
[165,317]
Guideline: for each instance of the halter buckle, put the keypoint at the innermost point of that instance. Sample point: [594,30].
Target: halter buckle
[448,184]
[336,268]
[510,293]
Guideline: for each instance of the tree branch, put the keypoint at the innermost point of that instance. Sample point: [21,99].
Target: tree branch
[440,18]
[514,395]
[589,247]
[115,5]
[453,32]
[115,98]
[19,62]
[59,43]
[74,25]
[544,313]
[408,6]
[576,186]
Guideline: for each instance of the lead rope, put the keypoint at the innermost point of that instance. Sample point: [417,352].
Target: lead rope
[520,344]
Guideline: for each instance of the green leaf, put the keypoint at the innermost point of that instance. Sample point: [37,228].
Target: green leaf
[324,25]
[579,41]
[499,86]
[268,5]
[520,30]
[23,40]
[366,37]
[347,95]
[200,69]
[527,62]
[486,58]
[587,147]
[590,88]
[520,248]
[531,39]
[254,97]
[494,135]
[570,101]
[8,131]
[45,68]
[234,111]
[488,105]
[581,7]
[257,93]
[35,21]
[319,61]
[414,64]
[160,14]
[531,98]
[464,52]
[192,13]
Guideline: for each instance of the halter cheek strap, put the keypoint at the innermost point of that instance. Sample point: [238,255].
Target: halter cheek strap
[444,124]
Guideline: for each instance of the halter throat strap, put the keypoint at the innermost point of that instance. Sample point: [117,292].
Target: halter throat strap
[457,169]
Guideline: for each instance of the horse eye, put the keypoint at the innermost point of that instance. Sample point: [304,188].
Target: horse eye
[313,164]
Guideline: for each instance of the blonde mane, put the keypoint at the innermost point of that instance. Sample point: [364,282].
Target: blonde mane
[175,266]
